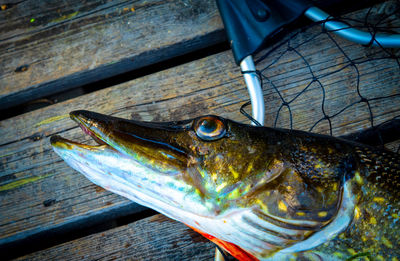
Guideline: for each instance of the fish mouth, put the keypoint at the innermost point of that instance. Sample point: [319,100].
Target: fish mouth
[150,143]
[84,123]
[87,125]
[62,145]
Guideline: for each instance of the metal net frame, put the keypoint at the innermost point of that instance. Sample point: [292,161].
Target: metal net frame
[350,62]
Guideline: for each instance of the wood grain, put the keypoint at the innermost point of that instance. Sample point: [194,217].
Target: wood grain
[50,46]
[31,174]
[154,238]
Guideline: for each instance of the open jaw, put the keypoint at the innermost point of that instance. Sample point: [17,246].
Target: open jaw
[86,158]
[62,145]
[102,163]
[97,162]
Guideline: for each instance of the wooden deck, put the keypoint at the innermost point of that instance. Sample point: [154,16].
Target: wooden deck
[48,210]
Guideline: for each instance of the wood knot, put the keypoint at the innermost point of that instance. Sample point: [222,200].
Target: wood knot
[22,68]
[49,202]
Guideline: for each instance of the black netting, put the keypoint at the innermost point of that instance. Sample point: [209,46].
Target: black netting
[316,81]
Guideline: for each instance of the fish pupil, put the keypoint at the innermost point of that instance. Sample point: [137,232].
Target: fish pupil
[208,127]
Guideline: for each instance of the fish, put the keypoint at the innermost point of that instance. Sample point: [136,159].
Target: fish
[259,193]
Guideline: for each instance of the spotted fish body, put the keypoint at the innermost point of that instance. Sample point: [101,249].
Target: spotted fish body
[260,193]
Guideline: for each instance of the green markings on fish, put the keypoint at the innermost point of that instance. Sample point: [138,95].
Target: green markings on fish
[260,193]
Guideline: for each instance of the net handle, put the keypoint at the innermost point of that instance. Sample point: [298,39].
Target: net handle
[254,88]
[352,34]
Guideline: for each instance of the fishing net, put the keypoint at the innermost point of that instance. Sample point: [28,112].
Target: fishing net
[316,81]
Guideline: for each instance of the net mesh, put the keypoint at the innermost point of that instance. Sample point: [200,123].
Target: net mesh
[316,81]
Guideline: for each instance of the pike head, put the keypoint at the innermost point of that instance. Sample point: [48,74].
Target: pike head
[199,166]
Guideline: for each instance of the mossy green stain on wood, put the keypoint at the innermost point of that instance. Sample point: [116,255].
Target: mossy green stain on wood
[21,182]
[64,17]
[51,119]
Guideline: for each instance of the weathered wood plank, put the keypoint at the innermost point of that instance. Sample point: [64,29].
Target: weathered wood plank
[50,46]
[212,85]
[154,238]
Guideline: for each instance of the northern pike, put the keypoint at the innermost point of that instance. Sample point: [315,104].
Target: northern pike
[259,193]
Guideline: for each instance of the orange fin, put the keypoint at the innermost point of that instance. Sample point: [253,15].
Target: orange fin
[231,248]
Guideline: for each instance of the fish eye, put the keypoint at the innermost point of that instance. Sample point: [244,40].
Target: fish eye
[209,128]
